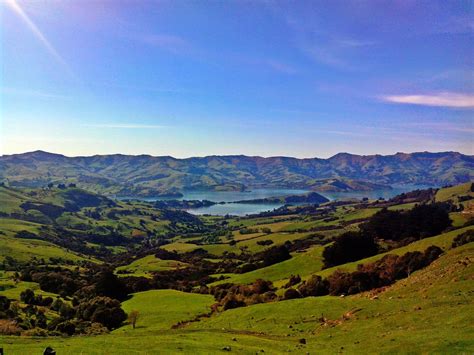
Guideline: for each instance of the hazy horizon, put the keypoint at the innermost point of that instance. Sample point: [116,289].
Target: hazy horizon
[306,79]
[228,155]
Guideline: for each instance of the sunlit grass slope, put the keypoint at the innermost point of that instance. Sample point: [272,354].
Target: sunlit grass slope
[429,312]
[149,263]
[24,249]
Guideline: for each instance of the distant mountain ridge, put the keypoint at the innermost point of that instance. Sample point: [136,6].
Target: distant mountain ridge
[145,175]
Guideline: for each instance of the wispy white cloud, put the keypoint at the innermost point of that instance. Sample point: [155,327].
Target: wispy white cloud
[333,51]
[161,90]
[443,126]
[124,125]
[354,43]
[182,46]
[32,93]
[264,63]
[172,43]
[444,99]
[345,133]
[280,67]
[460,24]
[315,40]
[325,55]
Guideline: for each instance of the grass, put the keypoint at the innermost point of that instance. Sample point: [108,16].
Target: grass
[10,200]
[13,290]
[301,263]
[276,226]
[306,264]
[452,193]
[403,206]
[239,237]
[459,218]
[257,222]
[277,238]
[149,263]
[443,241]
[429,312]
[25,249]
[180,247]
[161,309]
[249,244]
[357,214]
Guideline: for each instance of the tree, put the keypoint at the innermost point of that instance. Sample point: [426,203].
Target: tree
[291,293]
[275,255]
[27,296]
[108,284]
[314,286]
[421,221]
[102,310]
[133,317]
[350,246]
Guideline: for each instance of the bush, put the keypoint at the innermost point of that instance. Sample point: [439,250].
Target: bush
[4,304]
[314,286]
[275,255]
[9,327]
[294,280]
[420,222]
[381,272]
[27,296]
[231,302]
[247,267]
[432,253]
[350,246]
[291,293]
[265,242]
[463,238]
[67,327]
[103,310]
[261,286]
[56,282]
[351,283]
[108,284]
[35,332]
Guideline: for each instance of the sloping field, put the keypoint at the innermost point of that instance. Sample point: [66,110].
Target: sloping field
[429,312]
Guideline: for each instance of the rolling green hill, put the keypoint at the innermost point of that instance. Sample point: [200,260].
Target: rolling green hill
[148,176]
[429,312]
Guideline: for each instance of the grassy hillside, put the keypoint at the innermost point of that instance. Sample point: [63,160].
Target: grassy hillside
[303,263]
[147,264]
[149,176]
[71,218]
[453,193]
[443,241]
[429,312]
[12,289]
[161,309]
[25,249]
[311,261]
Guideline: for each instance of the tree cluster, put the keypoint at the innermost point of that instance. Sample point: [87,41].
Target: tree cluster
[380,273]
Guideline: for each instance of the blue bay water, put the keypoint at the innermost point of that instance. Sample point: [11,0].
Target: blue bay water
[238,209]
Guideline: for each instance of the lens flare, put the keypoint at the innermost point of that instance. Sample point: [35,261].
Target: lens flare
[13,5]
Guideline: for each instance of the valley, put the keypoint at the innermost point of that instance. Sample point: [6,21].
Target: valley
[147,176]
[236,177]
[246,284]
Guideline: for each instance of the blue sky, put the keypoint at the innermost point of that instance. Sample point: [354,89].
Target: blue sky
[194,78]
